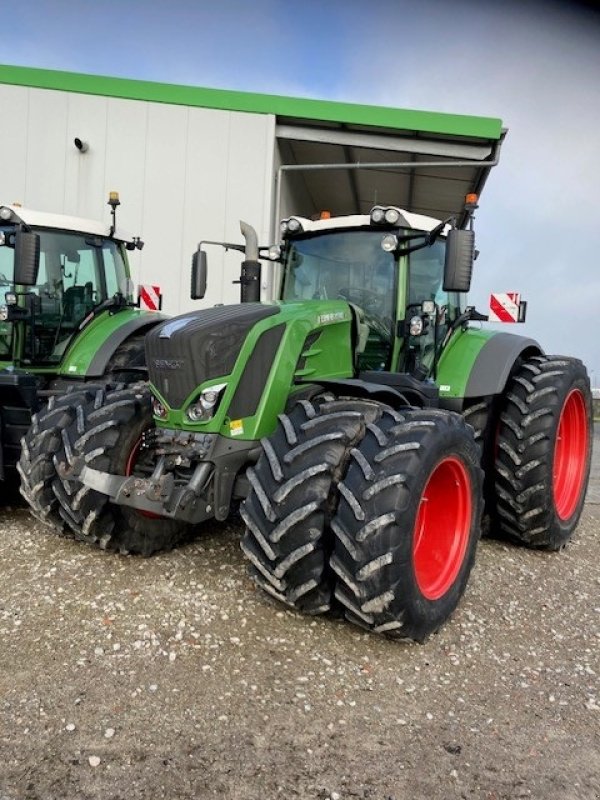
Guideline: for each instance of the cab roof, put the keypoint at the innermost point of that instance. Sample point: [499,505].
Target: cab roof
[417,221]
[64,222]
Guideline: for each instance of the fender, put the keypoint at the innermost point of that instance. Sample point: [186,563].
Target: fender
[397,395]
[91,351]
[478,363]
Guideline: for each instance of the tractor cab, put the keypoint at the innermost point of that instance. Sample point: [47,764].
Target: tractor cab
[392,268]
[52,279]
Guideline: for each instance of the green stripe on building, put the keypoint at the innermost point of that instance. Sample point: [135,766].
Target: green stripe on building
[226,100]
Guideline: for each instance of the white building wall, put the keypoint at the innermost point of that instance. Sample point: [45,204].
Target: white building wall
[183,174]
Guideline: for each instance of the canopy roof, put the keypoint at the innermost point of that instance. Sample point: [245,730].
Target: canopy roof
[348,168]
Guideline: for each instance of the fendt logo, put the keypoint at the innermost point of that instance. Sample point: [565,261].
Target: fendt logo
[169,363]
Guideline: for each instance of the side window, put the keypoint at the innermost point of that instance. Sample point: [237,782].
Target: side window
[426,274]
[81,270]
[113,277]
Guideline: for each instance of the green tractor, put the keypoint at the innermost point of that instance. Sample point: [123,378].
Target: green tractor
[365,420]
[67,322]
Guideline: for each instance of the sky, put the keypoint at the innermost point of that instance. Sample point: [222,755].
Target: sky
[534,64]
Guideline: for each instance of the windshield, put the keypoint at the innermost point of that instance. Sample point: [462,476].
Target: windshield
[349,265]
[77,272]
[352,265]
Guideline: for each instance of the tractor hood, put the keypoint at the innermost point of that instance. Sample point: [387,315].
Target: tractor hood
[196,347]
[253,355]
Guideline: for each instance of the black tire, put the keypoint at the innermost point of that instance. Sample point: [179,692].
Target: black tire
[112,432]
[482,415]
[293,496]
[43,446]
[388,569]
[128,362]
[543,452]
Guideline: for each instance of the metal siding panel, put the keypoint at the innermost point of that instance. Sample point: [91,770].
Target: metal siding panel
[206,201]
[14,111]
[164,201]
[127,124]
[46,156]
[84,172]
[249,144]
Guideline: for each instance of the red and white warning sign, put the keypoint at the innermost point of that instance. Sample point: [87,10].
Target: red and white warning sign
[504,307]
[149,297]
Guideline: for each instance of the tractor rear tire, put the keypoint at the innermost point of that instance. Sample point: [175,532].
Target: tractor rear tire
[408,523]
[43,446]
[543,452]
[293,494]
[110,442]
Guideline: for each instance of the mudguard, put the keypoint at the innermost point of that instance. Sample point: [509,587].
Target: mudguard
[91,350]
[395,389]
[477,363]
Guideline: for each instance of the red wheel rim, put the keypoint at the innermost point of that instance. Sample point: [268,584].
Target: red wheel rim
[442,528]
[570,455]
[129,467]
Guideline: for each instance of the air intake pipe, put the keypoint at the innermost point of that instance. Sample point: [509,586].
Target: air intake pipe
[250,277]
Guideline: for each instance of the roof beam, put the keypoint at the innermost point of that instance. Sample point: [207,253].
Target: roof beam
[373,141]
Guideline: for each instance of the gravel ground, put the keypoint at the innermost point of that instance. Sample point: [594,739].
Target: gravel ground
[173,677]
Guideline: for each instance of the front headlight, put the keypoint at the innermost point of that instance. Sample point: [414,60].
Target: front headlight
[291,225]
[392,216]
[388,215]
[389,243]
[205,406]
[416,326]
[377,215]
[158,409]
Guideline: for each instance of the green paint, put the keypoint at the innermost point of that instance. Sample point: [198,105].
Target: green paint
[330,357]
[85,346]
[457,360]
[226,100]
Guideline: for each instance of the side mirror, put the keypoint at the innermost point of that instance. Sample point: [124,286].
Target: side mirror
[460,255]
[199,272]
[27,258]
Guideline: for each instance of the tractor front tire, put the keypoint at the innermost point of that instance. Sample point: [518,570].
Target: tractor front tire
[43,446]
[408,523]
[111,442]
[544,450]
[293,496]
